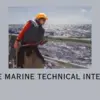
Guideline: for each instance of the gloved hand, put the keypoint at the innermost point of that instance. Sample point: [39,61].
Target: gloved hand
[16,44]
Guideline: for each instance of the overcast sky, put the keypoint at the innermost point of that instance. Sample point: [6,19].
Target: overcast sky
[56,14]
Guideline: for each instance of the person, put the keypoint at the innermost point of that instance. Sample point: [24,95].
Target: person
[28,39]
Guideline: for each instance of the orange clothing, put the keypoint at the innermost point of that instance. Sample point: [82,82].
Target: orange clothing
[21,34]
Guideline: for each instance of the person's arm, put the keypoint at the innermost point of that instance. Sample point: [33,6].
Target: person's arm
[21,34]
[24,29]
[44,40]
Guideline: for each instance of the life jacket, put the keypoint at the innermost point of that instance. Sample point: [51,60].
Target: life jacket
[34,34]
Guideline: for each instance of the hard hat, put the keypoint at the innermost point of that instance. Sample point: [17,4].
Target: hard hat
[41,15]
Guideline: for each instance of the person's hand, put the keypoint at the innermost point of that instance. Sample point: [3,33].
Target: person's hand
[16,44]
[43,42]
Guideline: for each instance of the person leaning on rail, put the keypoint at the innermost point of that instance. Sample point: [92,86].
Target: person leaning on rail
[31,35]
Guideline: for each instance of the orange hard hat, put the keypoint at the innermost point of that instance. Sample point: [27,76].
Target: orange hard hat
[41,15]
